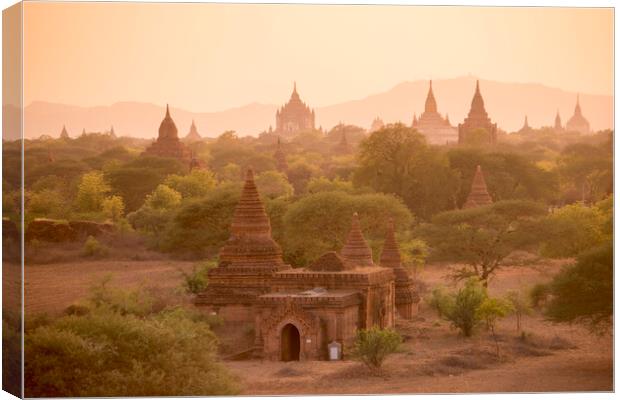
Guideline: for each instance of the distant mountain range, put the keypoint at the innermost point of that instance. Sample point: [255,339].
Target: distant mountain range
[506,103]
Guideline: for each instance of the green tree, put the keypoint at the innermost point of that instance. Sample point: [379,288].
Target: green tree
[481,238]
[322,184]
[573,229]
[462,309]
[163,198]
[320,222]
[583,292]
[91,191]
[374,345]
[197,183]
[230,172]
[273,184]
[113,208]
[397,160]
[490,310]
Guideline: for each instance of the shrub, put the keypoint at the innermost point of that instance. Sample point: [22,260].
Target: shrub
[539,294]
[121,350]
[462,309]
[521,305]
[439,301]
[92,248]
[196,281]
[373,345]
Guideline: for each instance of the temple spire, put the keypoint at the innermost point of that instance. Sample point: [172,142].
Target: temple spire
[558,120]
[250,243]
[356,249]
[390,256]
[478,195]
[431,105]
[577,107]
[167,111]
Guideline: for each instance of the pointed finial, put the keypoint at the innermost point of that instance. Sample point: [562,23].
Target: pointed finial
[167,111]
[294,86]
[249,175]
[478,168]
[431,84]
[477,86]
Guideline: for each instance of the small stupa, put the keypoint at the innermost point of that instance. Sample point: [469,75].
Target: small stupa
[193,135]
[406,296]
[478,195]
[356,250]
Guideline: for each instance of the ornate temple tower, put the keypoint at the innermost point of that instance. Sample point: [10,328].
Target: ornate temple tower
[193,135]
[406,297]
[557,126]
[356,250]
[478,195]
[578,123]
[168,143]
[280,157]
[247,260]
[477,119]
[295,116]
[432,125]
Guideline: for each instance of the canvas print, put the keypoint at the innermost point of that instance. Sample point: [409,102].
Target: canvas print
[297,199]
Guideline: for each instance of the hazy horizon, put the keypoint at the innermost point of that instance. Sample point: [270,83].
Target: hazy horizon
[214,57]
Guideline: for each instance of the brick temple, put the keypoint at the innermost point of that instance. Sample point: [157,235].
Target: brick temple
[168,143]
[478,195]
[476,120]
[296,312]
[295,116]
[578,123]
[432,125]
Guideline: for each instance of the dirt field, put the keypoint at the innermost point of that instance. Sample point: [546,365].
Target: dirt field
[52,287]
[433,359]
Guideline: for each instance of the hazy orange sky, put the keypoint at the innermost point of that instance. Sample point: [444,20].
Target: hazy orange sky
[209,57]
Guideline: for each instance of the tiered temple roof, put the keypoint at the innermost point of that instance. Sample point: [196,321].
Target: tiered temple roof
[377,124]
[477,119]
[250,243]
[168,143]
[578,123]
[193,135]
[526,127]
[356,250]
[295,116]
[436,128]
[478,195]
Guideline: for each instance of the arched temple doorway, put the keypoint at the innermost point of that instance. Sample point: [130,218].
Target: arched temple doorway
[290,343]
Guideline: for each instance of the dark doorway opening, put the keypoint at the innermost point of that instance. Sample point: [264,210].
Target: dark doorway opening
[290,343]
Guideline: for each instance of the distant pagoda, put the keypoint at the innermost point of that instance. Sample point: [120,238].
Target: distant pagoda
[557,126]
[477,119]
[432,125]
[406,296]
[193,135]
[168,143]
[356,250]
[526,127]
[343,146]
[478,195]
[295,116]
[578,123]
[377,124]
[280,157]
[64,134]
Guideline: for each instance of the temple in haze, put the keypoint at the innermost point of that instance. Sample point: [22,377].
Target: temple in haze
[557,124]
[578,123]
[295,116]
[377,124]
[64,134]
[168,143]
[432,125]
[193,135]
[478,194]
[297,312]
[525,129]
[476,121]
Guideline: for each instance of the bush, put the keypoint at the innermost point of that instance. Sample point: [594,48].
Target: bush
[196,281]
[373,345]
[115,350]
[539,293]
[439,301]
[92,248]
[462,309]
